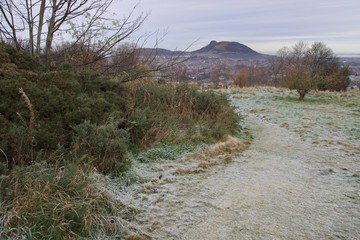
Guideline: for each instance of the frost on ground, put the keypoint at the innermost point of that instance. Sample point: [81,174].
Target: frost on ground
[299,179]
[324,118]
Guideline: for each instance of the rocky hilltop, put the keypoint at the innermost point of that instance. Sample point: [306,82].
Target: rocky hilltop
[224,47]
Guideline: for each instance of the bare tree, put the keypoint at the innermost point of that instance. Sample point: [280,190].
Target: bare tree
[218,73]
[95,38]
[251,76]
[87,22]
[9,26]
[306,68]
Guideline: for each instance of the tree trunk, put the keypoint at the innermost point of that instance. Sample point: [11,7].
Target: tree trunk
[302,94]
[50,34]
[30,22]
[40,25]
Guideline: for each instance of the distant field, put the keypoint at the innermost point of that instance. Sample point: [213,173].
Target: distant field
[327,119]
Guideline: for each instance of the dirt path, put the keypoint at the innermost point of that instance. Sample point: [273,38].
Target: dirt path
[282,187]
[284,190]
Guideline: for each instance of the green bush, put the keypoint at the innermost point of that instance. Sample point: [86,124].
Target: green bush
[104,147]
[60,103]
[21,59]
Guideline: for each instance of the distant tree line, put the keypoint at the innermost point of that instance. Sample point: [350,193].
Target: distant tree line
[300,67]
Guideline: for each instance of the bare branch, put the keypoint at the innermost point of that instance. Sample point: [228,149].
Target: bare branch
[8,14]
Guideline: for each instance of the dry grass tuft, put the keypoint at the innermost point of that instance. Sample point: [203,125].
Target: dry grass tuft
[223,152]
[182,171]
[41,202]
[203,164]
[185,171]
[230,146]
[31,110]
[26,155]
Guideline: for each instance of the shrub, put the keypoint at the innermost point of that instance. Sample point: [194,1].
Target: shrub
[61,100]
[159,112]
[338,80]
[306,68]
[105,147]
[22,59]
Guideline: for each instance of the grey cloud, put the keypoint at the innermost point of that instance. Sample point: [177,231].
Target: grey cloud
[255,21]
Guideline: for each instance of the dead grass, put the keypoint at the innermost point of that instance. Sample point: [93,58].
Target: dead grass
[31,110]
[223,152]
[258,88]
[26,147]
[185,171]
[40,202]
[229,146]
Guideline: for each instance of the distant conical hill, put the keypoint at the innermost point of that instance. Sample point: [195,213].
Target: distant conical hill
[224,47]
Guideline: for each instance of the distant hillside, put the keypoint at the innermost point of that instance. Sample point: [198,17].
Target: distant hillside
[160,51]
[226,47]
[222,49]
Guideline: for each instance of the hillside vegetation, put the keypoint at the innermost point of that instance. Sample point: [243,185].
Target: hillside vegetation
[61,129]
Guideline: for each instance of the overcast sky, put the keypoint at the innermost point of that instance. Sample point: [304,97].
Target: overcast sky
[263,25]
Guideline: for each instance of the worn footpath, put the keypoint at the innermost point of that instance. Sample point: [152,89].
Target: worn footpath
[299,179]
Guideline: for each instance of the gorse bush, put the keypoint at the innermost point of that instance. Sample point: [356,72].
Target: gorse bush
[20,60]
[102,146]
[61,100]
